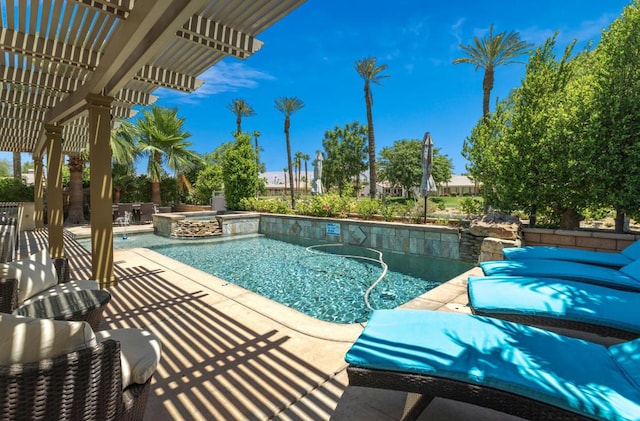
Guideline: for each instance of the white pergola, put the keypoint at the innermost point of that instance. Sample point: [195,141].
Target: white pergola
[69,67]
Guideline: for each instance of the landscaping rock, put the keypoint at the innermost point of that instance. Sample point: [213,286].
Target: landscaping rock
[498,225]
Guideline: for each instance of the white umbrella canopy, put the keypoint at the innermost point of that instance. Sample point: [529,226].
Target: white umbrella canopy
[427,185]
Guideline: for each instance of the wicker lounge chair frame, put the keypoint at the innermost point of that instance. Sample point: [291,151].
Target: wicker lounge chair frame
[9,297]
[430,387]
[82,385]
[559,323]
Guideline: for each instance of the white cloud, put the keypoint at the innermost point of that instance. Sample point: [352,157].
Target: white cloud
[223,77]
[456,30]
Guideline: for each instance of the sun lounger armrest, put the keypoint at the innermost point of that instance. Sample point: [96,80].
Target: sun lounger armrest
[8,295]
[62,269]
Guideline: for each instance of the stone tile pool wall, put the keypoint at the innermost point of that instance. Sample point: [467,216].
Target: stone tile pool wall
[421,240]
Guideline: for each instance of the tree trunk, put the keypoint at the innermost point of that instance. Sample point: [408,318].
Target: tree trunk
[569,218]
[17,166]
[75,213]
[487,86]
[619,220]
[373,179]
[155,193]
[290,166]
[306,178]
[532,216]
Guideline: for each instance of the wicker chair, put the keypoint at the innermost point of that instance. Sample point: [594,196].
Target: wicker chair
[82,385]
[91,312]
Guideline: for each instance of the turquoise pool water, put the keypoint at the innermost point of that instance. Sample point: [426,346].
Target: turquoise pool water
[321,282]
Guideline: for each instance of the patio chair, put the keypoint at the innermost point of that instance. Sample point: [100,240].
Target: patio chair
[509,367]
[146,212]
[615,260]
[63,371]
[39,284]
[626,278]
[557,303]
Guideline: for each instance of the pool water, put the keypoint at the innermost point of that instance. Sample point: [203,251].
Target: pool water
[321,282]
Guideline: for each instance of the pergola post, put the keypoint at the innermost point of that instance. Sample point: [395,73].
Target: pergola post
[101,189]
[55,217]
[38,192]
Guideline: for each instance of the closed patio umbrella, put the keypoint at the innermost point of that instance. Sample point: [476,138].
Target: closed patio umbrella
[427,185]
[316,186]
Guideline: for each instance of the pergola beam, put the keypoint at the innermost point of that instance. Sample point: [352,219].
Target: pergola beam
[47,49]
[220,37]
[121,9]
[168,79]
[40,80]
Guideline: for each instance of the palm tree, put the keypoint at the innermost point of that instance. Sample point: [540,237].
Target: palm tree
[285,169]
[123,155]
[490,52]
[75,210]
[240,108]
[256,135]
[306,159]
[370,72]
[288,106]
[298,164]
[161,139]
[17,165]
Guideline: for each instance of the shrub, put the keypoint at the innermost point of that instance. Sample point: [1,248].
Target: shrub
[388,211]
[471,206]
[367,207]
[12,190]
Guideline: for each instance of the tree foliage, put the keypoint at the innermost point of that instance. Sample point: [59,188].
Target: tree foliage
[5,168]
[346,156]
[239,171]
[401,165]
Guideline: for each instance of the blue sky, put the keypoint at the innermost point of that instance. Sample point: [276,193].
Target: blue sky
[310,54]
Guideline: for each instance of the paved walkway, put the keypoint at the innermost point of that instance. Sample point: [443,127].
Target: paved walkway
[229,354]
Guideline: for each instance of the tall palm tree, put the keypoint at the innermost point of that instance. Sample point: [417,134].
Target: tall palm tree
[17,166]
[288,106]
[298,164]
[488,53]
[75,210]
[285,169]
[162,141]
[256,135]
[306,159]
[370,72]
[240,108]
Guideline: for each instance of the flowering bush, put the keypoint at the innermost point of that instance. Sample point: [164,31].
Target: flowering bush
[265,205]
[328,205]
[367,207]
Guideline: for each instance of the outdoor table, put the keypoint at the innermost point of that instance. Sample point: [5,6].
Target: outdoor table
[84,305]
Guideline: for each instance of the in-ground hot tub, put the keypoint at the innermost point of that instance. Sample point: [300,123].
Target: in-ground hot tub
[205,224]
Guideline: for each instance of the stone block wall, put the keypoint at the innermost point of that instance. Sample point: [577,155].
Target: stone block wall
[579,239]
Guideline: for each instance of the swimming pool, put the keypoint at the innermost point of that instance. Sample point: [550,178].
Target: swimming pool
[321,282]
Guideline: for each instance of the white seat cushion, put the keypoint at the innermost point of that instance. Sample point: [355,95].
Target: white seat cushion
[62,288]
[25,339]
[36,273]
[139,353]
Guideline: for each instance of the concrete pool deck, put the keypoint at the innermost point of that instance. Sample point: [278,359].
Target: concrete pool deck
[230,354]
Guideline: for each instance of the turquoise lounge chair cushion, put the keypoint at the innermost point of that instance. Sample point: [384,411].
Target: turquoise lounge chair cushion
[627,356]
[628,277]
[573,255]
[632,251]
[555,298]
[569,373]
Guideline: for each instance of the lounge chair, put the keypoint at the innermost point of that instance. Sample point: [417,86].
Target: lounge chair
[147,210]
[509,367]
[557,303]
[627,277]
[616,260]
[58,370]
